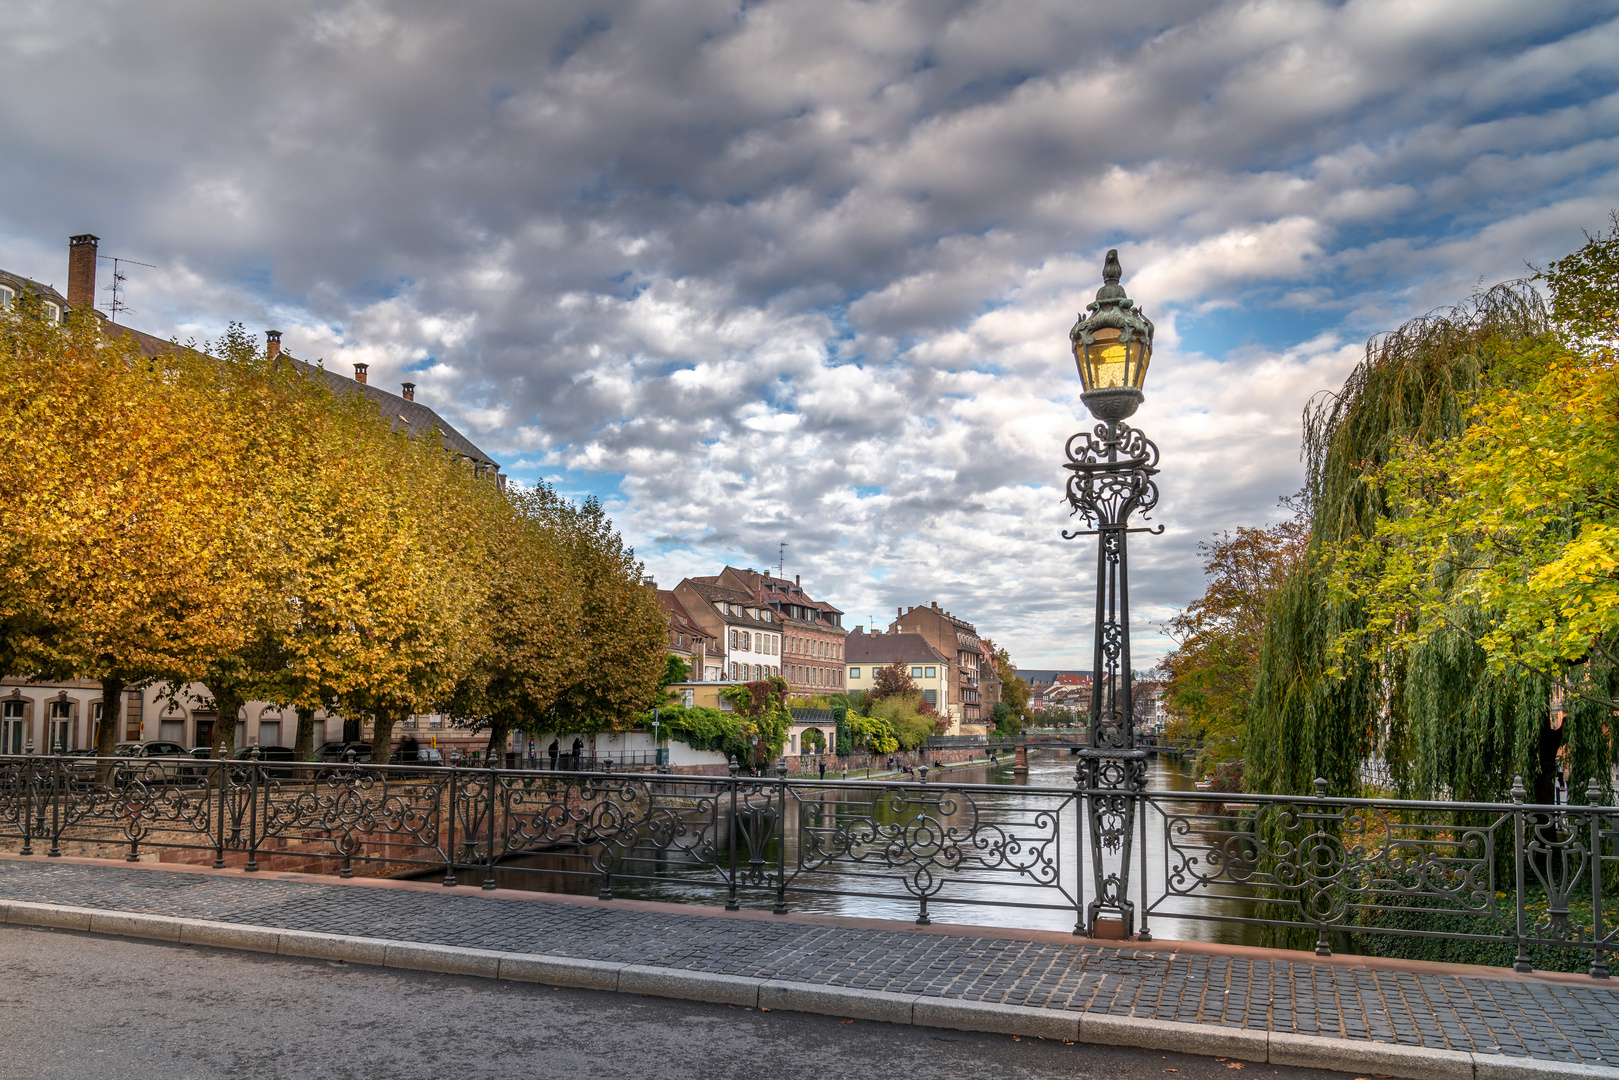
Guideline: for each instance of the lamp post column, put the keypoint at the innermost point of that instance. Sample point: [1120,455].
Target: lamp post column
[1111,469]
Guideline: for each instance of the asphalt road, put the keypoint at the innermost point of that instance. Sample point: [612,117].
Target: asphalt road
[77,1005]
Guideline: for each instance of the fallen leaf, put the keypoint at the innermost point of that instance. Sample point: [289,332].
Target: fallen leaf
[763,1009]
[1233,1064]
[1016,1038]
[845,1021]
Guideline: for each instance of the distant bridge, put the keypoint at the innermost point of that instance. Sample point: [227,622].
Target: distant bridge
[1055,743]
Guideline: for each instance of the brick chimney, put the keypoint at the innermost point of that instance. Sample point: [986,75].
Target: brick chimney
[408,390]
[272,343]
[359,372]
[81,270]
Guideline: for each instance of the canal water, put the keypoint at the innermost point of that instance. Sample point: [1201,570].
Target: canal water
[989,890]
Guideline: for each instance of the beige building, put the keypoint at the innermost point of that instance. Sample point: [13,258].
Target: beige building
[973,685]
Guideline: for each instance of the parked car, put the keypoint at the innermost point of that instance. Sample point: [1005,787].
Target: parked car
[339,752]
[429,756]
[155,761]
[277,760]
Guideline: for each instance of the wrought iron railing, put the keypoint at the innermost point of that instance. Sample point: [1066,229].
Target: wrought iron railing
[1511,873]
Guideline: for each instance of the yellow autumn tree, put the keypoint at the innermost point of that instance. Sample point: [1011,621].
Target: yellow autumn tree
[119,566]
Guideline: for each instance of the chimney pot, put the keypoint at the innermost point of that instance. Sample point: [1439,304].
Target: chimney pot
[81,270]
[359,372]
[409,390]
[272,343]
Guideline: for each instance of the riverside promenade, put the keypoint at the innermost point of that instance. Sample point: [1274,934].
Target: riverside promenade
[1365,1016]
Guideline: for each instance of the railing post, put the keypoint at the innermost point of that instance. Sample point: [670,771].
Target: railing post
[1323,944]
[1142,805]
[1080,817]
[219,824]
[253,787]
[58,793]
[1593,800]
[489,855]
[1523,963]
[781,837]
[449,848]
[731,901]
[25,802]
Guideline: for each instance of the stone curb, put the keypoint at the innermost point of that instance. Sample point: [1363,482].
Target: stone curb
[1277,1048]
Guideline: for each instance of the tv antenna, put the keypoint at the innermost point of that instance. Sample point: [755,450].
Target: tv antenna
[781,559]
[117,286]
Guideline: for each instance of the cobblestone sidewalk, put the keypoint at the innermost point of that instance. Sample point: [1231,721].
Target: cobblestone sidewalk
[1512,1017]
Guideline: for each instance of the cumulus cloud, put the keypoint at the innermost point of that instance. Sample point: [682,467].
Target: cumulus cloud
[802,270]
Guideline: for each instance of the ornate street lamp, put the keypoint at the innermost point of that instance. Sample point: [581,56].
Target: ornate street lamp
[1111,470]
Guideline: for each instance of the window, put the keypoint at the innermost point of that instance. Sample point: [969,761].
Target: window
[931,697]
[60,734]
[53,311]
[270,732]
[747,645]
[916,673]
[854,673]
[6,297]
[933,673]
[733,639]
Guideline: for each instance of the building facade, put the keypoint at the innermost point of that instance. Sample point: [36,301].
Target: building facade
[970,669]
[812,656]
[746,637]
[687,640]
[927,667]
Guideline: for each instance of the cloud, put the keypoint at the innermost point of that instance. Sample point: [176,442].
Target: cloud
[803,271]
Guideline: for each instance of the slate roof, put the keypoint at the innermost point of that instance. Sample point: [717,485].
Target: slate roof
[412,416]
[863,648]
[679,618]
[705,588]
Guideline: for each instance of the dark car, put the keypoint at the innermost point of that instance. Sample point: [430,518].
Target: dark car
[429,756]
[155,761]
[339,752]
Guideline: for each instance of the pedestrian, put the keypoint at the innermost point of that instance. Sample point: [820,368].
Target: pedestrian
[846,770]
[578,752]
[823,768]
[552,750]
[409,749]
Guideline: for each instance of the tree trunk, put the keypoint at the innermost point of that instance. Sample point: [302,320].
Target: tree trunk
[304,748]
[1545,790]
[228,704]
[383,737]
[112,700]
[498,731]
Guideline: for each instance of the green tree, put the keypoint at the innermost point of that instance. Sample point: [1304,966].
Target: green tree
[1211,672]
[1014,692]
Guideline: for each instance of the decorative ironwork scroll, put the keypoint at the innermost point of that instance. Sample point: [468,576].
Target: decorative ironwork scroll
[1111,477]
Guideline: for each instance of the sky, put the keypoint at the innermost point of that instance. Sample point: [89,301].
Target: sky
[802,271]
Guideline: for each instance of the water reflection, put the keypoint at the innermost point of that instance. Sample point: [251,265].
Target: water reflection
[1021,872]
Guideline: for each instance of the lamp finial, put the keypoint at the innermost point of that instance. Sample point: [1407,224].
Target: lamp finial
[1111,270]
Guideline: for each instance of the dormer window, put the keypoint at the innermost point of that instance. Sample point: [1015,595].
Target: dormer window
[53,311]
[7,295]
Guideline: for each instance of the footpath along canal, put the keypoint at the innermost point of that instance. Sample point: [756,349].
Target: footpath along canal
[985,806]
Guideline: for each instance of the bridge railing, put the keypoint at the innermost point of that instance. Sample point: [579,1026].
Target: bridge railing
[1534,880]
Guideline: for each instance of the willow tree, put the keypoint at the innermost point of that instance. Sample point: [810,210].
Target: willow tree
[1324,695]
[1494,579]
